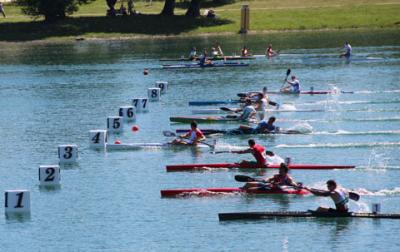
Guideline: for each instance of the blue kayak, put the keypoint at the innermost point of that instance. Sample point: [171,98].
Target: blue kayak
[206,103]
[227,64]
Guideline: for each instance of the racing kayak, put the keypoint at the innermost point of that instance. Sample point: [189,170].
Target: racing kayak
[220,111]
[310,92]
[204,119]
[191,167]
[216,191]
[212,58]
[136,146]
[307,214]
[230,64]
[238,132]
[206,103]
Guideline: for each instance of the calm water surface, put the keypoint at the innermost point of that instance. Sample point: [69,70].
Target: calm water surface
[55,94]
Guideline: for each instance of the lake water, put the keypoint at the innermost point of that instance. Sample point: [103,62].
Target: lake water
[54,94]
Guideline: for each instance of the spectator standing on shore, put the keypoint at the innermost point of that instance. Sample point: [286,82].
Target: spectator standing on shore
[2,10]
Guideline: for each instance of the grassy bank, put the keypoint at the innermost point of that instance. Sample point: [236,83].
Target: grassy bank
[265,15]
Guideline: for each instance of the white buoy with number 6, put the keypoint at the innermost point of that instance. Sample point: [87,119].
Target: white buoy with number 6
[17,201]
[141,104]
[128,113]
[115,124]
[68,153]
[49,175]
[154,94]
[98,138]
[162,85]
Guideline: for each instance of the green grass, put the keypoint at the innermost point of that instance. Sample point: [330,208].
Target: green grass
[265,15]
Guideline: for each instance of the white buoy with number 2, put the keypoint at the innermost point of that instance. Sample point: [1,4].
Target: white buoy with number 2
[49,175]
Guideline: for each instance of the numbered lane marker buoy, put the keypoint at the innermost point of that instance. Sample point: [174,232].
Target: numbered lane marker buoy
[17,201]
[128,113]
[163,85]
[141,104]
[67,153]
[98,138]
[49,175]
[154,94]
[115,124]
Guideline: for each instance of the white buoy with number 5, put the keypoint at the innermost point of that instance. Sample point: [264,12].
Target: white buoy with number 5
[98,138]
[163,85]
[128,113]
[154,94]
[115,124]
[68,153]
[17,201]
[141,104]
[49,175]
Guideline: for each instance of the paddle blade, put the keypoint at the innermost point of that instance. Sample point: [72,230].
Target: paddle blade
[244,178]
[288,72]
[168,133]
[225,109]
[354,196]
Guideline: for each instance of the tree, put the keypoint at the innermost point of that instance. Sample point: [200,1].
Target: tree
[194,9]
[51,9]
[169,7]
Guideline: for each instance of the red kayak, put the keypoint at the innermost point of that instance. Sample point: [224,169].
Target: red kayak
[189,167]
[216,191]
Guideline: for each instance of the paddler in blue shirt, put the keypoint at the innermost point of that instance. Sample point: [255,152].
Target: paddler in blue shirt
[204,61]
[262,128]
[338,195]
[281,179]
[294,86]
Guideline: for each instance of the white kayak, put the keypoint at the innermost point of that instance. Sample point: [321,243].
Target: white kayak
[219,111]
[137,146]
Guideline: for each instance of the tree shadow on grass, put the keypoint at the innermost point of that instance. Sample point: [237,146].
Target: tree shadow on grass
[205,4]
[77,26]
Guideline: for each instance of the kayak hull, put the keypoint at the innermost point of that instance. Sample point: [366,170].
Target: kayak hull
[308,214]
[234,132]
[192,167]
[180,66]
[214,58]
[216,191]
[137,146]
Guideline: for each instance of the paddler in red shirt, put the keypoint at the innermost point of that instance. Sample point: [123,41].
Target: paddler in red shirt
[193,137]
[258,152]
[281,179]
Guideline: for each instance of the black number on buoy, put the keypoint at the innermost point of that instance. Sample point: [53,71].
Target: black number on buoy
[130,112]
[68,152]
[154,93]
[121,112]
[19,202]
[144,102]
[51,172]
[116,124]
[135,102]
[96,138]
[161,86]
[6,198]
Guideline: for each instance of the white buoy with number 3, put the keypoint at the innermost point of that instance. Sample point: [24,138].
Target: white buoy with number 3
[68,153]
[128,113]
[98,138]
[49,175]
[154,94]
[17,201]
[141,104]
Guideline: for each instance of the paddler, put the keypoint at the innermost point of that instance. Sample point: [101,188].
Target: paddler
[193,137]
[338,195]
[294,86]
[258,152]
[281,179]
[269,52]
[249,112]
[204,61]
[244,52]
[261,128]
[193,54]
[347,50]
[218,49]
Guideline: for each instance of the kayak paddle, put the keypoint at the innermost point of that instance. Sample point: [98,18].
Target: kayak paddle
[352,195]
[244,178]
[287,75]
[229,109]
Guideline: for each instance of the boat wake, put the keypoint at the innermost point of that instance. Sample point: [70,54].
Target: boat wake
[341,145]
[374,119]
[344,132]
[383,192]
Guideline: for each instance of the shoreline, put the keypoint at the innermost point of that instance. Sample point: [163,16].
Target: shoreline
[133,37]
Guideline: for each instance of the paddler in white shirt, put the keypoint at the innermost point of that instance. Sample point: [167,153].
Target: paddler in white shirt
[193,54]
[249,112]
[294,86]
[338,195]
[193,137]
[347,50]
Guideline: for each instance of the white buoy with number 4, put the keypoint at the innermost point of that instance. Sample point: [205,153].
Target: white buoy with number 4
[128,113]
[115,124]
[98,138]
[154,94]
[162,85]
[49,175]
[141,104]
[17,201]
[68,153]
